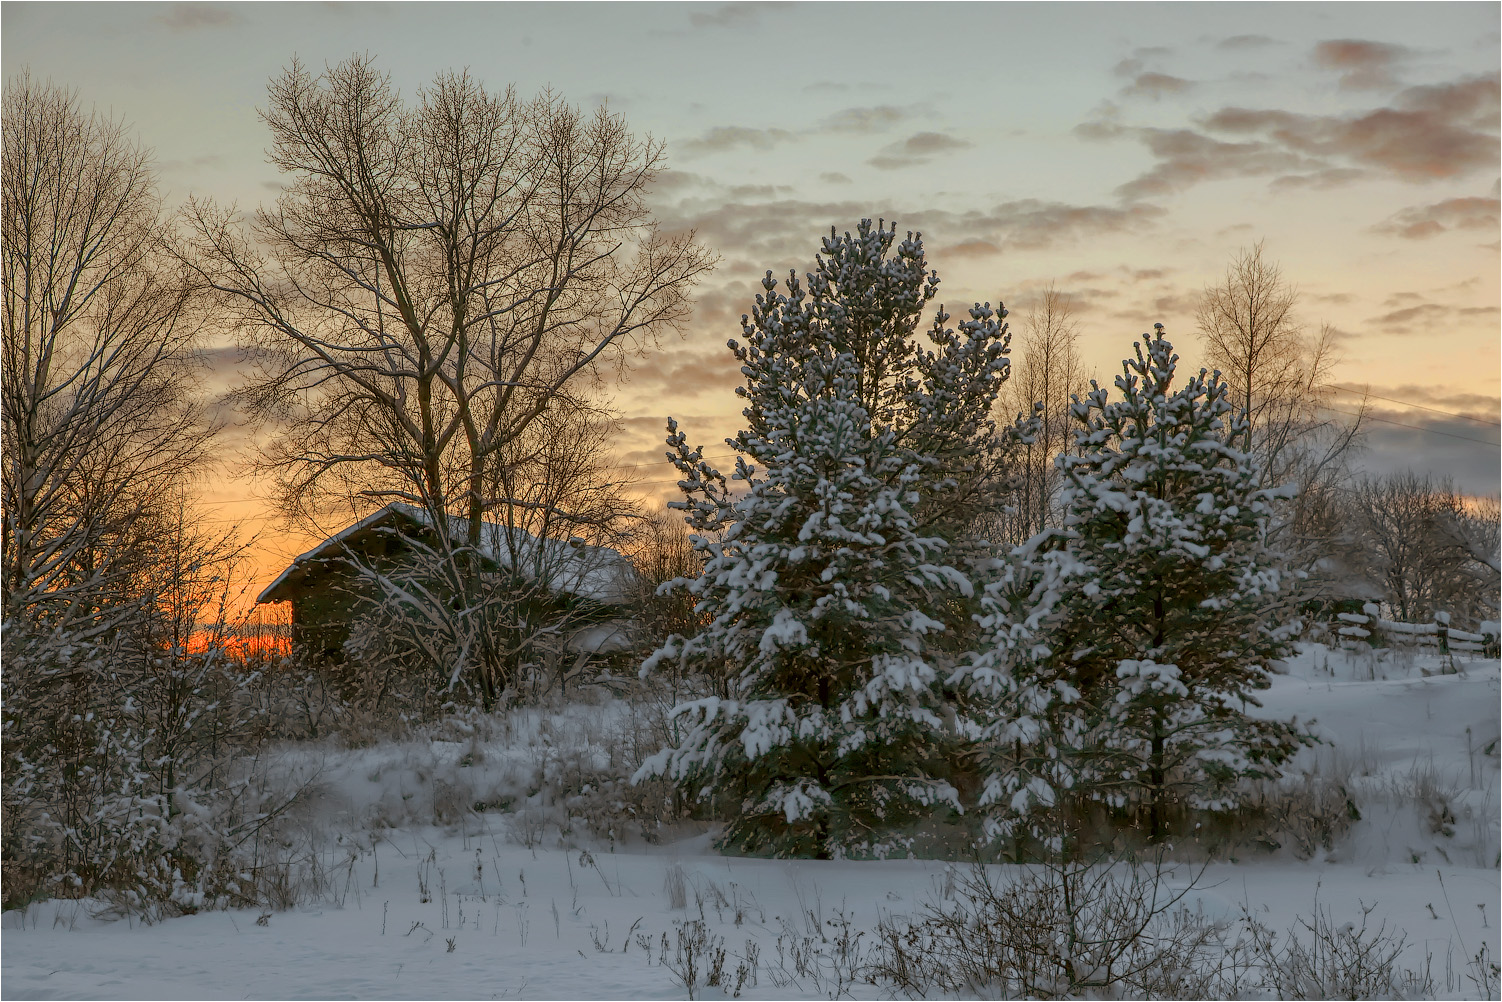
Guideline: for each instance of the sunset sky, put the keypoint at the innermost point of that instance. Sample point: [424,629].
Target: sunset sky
[1125,152]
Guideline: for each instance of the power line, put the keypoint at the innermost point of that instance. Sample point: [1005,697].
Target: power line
[1410,403]
[1415,427]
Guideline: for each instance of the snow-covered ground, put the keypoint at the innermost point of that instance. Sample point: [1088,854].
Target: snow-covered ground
[470,910]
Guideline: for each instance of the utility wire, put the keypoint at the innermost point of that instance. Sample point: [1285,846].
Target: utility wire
[1415,427]
[1410,403]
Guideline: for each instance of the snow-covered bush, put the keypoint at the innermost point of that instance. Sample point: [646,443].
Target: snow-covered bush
[839,588]
[1126,647]
[131,776]
[131,760]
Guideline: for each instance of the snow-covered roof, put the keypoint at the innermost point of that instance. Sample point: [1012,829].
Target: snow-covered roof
[594,572]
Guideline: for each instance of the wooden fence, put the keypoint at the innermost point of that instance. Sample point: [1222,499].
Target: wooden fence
[1371,630]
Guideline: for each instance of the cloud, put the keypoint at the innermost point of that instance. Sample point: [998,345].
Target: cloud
[1427,133]
[191,16]
[721,306]
[857,120]
[923,143]
[732,15]
[205,162]
[834,177]
[1175,304]
[683,374]
[1405,320]
[1242,42]
[1156,86]
[1422,221]
[1334,298]
[1409,313]
[916,149]
[1186,157]
[1476,405]
[755,235]
[1032,224]
[1362,65]
[1434,132]
[723,138]
[766,234]
[1320,180]
[864,120]
[678,180]
[970,248]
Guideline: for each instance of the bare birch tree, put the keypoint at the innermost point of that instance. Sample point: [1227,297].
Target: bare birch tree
[1280,375]
[1423,548]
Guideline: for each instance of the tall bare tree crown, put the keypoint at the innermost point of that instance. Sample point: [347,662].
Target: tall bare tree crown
[438,275]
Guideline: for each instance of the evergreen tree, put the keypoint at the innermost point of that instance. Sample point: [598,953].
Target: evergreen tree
[1125,648]
[840,587]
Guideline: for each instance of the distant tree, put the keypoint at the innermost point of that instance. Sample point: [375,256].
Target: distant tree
[1129,643]
[1252,334]
[1421,548]
[662,552]
[1047,372]
[839,590]
[437,278]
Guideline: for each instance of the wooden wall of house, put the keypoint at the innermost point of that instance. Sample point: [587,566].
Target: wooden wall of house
[331,597]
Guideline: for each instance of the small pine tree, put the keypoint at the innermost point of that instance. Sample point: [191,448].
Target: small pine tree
[1125,648]
[840,587]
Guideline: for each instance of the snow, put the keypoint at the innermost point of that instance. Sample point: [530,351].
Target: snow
[541,920]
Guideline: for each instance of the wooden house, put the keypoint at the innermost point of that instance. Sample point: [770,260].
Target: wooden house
[328,591]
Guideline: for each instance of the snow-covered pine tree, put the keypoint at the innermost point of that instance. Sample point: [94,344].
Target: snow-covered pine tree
[840,587]
[1124,649]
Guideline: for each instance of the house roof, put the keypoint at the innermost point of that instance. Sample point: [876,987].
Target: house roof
[594,572]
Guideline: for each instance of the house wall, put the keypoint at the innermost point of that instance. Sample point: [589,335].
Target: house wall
[331,597]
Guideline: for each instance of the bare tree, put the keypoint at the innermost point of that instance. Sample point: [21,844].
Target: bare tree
[1424,549]
[662,551]
[1280,375]
[1047,374]
[435,276]
[99,409]
[1252,335]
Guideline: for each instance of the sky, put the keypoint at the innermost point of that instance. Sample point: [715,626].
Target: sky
[1124,152]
